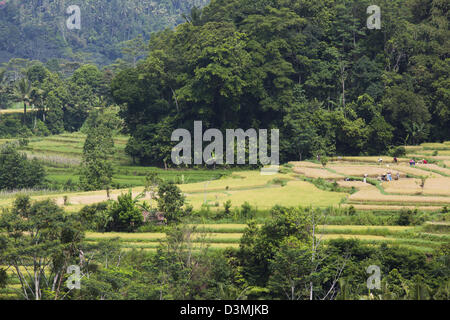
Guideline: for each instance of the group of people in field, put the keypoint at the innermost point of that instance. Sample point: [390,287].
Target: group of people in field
[412,162]
[387,176]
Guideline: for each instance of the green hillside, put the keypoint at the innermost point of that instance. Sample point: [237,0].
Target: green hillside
[36,29]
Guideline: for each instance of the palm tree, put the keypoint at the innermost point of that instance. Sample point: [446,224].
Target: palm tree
[23,93]
[36,101]
[2,87]
[195,17]
[2,75]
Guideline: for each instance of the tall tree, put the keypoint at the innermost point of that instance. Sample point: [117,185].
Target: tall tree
[38,242]
[96,169]
[23,91]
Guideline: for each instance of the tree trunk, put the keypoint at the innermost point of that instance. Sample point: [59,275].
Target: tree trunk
[24,113]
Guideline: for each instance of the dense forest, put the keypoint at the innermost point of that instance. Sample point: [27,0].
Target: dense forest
[36,29]
[311,69]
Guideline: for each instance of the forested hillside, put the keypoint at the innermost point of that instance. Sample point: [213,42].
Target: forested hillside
[36,29]
[310,68]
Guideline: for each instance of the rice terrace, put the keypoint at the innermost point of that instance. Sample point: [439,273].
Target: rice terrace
[367,211]
[115,117]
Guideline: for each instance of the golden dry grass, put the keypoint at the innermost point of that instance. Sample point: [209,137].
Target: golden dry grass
[438,157]
[9,111]
[380,207]
[232,236]
[356,184]
[317,173]
[352,236]
[305,164]
[125,236]
[405,168]
[219,226]
[295,193]
[373,195]
[363,228]
[361,170]
[434,186]
[432,166]
[238,180]
[367,159]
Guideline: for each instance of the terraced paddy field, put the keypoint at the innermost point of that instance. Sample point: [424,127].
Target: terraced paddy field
[405,193]
[61,156]
[259,190]
[305,183]
[220,236]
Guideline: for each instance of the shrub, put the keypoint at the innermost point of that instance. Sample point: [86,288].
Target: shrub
[96,217]
[170,201]
[397,151]
[23,142]
[17,172]
[246,210]
[351,211]
[41,129]
[227,207]
[280,181]
[404,218]
[125,215]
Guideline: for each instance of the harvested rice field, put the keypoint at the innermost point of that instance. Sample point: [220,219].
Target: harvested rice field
[316,173]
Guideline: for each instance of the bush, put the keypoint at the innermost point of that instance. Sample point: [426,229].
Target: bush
[96,217]
[351,211]
[170,201]
[280,181]
[227,207]
[23,142]
[397,151]
[246,210]
[41,129]
[17,172]
[11,126]
[404,218]
[125,216]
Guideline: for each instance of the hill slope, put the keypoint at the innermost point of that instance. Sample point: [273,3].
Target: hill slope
[36,29]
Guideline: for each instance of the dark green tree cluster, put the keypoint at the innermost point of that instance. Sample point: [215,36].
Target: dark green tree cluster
[312,69]
[38,241]
[36,29]
[126,214]
[283,259]
[96,168]
[52,101]
[17,172]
